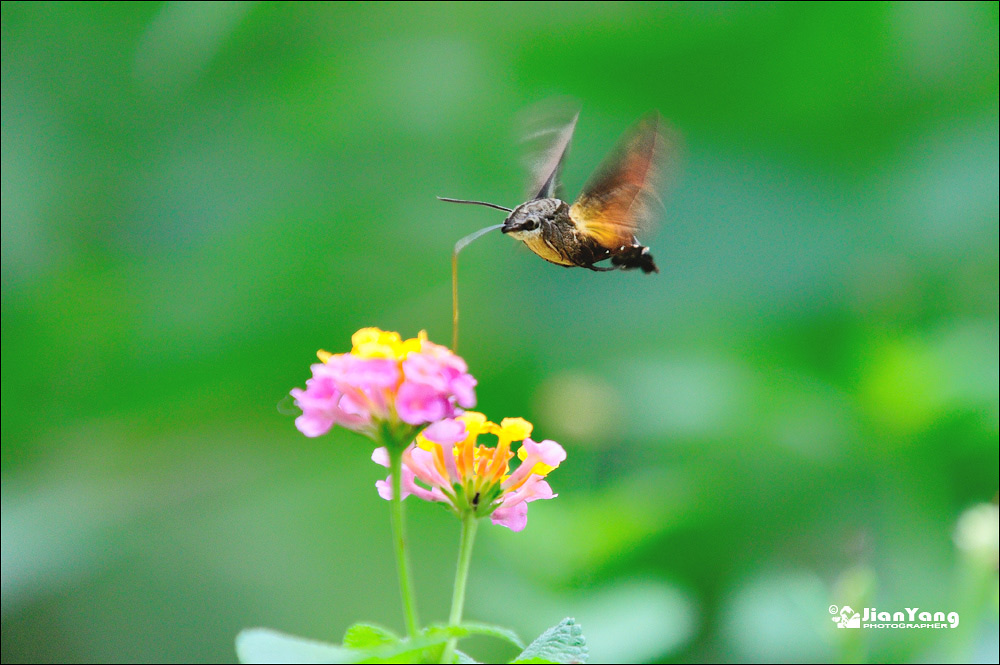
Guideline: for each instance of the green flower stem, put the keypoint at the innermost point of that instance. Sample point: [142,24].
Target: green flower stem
[399,540]
[469,524]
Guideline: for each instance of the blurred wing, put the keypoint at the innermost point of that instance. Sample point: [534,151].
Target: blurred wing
[546,131]
[620,198]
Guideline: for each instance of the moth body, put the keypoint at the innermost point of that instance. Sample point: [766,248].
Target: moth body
[548,229]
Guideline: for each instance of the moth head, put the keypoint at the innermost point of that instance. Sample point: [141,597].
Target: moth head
[529,217]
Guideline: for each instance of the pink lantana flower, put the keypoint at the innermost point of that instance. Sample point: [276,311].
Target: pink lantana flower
[385,386]
[445,464]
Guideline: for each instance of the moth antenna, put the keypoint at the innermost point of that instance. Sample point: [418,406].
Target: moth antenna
[478,203]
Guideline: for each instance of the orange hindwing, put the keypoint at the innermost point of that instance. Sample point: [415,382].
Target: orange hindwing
[620,198]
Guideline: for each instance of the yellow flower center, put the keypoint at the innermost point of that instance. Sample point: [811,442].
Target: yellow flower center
[376,343]
[480,464]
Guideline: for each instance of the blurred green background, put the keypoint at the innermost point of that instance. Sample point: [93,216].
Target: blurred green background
[795,413]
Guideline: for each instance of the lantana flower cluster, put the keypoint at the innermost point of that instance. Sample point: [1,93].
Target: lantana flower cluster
[385,382]
[452,467]
[411,395]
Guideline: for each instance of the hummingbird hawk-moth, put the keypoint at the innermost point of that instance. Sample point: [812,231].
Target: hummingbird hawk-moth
[615,205]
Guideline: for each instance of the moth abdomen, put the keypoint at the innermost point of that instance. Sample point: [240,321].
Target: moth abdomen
[636,256]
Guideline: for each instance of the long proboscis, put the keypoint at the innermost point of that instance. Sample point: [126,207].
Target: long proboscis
[459,246]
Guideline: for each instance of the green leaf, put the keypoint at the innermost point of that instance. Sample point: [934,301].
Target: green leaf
[367,636]
[562,643]
[408,652]
[463,658]
[464,630]
[363,643]
[263,645]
